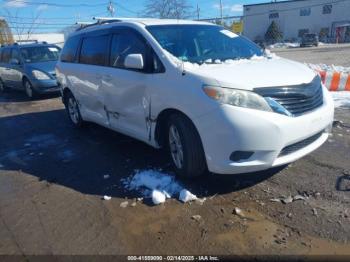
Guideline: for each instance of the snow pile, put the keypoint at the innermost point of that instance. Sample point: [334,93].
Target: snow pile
[186,196]
[284,45]
[157,185]
[341,99]
[210,62]
[158,197]
[330,68]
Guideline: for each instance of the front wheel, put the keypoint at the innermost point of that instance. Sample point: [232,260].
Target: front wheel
[185,147]
[30,92]
[73,110]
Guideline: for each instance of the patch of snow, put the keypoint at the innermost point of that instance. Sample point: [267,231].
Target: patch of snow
[186,196]
[341,99]
[106,176]
[157,185]
[107,198]
[158,197]
[210,62]
[284,45]
[124,204]
[331,68]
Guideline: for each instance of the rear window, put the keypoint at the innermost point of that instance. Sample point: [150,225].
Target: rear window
[94,50]
[70,49]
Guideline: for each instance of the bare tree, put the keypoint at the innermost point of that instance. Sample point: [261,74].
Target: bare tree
[22,28]
[177,9]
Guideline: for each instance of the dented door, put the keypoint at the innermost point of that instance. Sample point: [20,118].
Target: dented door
[126,101]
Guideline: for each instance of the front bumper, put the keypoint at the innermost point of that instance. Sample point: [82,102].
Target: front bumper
[231,129]
[45,86]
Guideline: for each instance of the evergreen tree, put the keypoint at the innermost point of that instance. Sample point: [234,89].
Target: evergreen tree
[273,33]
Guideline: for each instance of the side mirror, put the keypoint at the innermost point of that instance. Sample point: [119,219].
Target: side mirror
[14,61]
[134,61]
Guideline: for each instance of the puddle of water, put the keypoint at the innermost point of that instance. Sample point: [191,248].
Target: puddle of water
[66,155]
[42,141]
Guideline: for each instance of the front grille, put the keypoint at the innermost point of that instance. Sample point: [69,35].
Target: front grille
[299,145]
[297,100]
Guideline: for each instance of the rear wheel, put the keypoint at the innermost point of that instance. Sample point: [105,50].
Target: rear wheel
[73,110]
[185,147]
[30,92]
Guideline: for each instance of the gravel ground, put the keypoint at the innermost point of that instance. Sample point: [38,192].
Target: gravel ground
[327,54]
[52,183]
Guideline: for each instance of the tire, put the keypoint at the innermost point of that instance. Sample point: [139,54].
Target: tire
[28,88]
[182,135]
[73,110]
[3,88]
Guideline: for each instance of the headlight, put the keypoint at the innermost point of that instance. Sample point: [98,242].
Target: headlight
[237,97]
[40,75]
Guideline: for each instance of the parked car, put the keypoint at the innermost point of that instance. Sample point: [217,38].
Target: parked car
[29,67]
[212,98]
[309,40]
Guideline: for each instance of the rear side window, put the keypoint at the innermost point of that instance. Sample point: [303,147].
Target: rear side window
[6,54]
[94,50]
[123,45]
[70,49]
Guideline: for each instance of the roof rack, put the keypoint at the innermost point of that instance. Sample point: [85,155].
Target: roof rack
[100,21]
[18,42]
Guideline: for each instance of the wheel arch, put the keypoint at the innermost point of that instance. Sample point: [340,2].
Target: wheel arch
[161,125]
[25,78]
[65,92]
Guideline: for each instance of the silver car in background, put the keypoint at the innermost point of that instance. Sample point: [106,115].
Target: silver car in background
[29,67]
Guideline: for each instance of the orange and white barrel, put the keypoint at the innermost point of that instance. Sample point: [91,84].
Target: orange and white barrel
[335,81]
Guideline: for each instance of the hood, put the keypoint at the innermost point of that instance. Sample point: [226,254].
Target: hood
[47,67]
[254,73]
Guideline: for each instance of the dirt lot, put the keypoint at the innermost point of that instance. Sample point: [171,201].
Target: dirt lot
[327,54]
[51,188]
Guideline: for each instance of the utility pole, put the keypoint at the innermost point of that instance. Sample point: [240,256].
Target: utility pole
[221,16]
[198,10]
[110,9]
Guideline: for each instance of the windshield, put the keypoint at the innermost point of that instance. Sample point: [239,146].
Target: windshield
[203,43]
[40,54]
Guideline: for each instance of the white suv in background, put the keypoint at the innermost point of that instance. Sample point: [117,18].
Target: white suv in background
[214,99]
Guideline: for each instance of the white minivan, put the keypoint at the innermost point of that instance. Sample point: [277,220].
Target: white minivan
[213,99]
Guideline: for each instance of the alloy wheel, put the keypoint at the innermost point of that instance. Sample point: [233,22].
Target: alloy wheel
[176,149]
[29,90]
[73,110]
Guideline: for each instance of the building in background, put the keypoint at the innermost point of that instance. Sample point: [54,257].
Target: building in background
[330,19]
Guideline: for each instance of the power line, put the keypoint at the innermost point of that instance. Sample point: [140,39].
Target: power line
[37,23]
[57,5]
[125,9]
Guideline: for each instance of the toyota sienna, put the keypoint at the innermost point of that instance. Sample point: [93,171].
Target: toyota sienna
[213,99]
